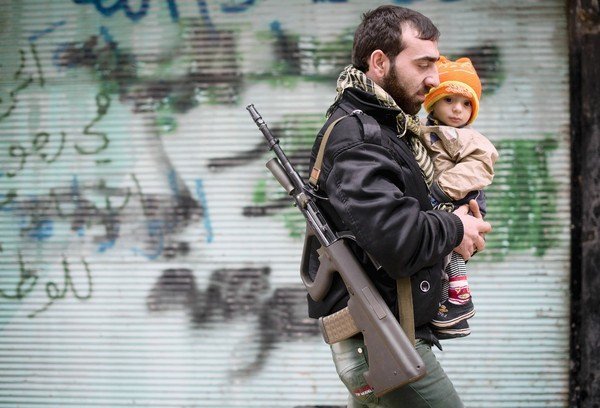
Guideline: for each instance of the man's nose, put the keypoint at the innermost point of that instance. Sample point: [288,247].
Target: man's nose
[432,80]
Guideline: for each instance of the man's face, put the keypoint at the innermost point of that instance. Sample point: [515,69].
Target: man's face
[413,72]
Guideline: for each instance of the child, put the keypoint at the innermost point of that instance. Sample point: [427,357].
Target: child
[463,160]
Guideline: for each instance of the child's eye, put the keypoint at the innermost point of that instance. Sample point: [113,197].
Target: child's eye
[467,103]
[448,99]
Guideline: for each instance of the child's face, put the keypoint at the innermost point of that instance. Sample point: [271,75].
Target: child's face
[453,110]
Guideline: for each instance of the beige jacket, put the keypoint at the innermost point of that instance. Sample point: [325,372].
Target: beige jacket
[463,159]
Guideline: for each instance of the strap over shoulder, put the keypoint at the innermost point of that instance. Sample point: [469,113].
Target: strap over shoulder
[371,132]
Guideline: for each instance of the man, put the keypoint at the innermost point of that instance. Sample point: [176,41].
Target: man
[377,186]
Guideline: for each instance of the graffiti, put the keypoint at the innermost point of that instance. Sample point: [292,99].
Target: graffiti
[40,33]
[204,204]
[236,6]
[55,292]
[41,140]
[166,217]
[297,134]
[137,15]
[22,82]
[227,6]
[522,199]
[102,105]
[234,293]
[488,62]
[174,289]
[21,77]
[114,69]
[28,278]
[85,207]
[212,76]
[7,198]
[123,5]
[308,55]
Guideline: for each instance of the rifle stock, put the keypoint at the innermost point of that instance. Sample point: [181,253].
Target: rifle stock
[392,358]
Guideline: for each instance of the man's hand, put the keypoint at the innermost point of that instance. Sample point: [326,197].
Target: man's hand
[475,229]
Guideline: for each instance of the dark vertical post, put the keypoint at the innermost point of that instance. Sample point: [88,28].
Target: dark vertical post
[584,45]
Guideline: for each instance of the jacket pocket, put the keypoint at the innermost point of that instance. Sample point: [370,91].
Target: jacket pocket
[427,293]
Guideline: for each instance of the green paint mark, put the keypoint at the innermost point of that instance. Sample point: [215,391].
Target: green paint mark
[259,195]
[294,222]
[522,200]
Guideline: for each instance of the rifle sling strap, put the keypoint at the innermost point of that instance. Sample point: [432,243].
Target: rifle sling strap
[316,170]
[405,304]
[371,130]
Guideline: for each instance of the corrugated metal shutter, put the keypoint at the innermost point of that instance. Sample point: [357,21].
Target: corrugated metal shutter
[149,259]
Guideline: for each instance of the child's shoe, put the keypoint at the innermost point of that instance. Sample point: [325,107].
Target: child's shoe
[461,329]
[450,314]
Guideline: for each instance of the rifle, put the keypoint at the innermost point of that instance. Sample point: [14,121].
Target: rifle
[392,358]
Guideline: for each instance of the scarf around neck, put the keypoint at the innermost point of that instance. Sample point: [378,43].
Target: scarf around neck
[351,77]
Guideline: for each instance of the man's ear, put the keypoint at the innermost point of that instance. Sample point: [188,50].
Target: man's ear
[379,65]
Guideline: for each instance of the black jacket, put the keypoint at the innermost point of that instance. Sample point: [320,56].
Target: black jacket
[376,191]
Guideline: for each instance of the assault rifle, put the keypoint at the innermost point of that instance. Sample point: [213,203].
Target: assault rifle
[392,358]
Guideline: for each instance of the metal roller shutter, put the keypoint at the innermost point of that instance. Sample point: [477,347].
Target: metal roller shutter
[147,258]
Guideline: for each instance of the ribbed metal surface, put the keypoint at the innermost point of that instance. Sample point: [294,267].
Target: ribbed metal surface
[149,259]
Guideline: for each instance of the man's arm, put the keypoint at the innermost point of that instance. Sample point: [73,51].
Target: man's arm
[367,187]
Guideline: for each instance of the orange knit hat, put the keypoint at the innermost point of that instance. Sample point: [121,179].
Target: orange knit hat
[456,78]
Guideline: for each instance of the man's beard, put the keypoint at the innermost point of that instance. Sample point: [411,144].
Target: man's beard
[398,92]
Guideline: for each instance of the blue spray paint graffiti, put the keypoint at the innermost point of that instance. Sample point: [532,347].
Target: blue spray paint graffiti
[40,33]
[236,6]
[118,5]
[204,203]
[135,16]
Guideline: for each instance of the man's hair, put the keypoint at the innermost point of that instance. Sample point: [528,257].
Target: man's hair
[381,29]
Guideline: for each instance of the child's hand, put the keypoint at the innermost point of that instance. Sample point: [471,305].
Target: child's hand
[474,230]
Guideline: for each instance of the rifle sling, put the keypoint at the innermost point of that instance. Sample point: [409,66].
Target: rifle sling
[406,315]
[316,170]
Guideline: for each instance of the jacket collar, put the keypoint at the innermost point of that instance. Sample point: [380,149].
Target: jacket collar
[368,103]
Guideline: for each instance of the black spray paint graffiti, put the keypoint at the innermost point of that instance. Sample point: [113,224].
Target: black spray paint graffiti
[235,293]
[28,279]
[212,75]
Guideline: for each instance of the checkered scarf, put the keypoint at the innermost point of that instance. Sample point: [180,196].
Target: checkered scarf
[351,77]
